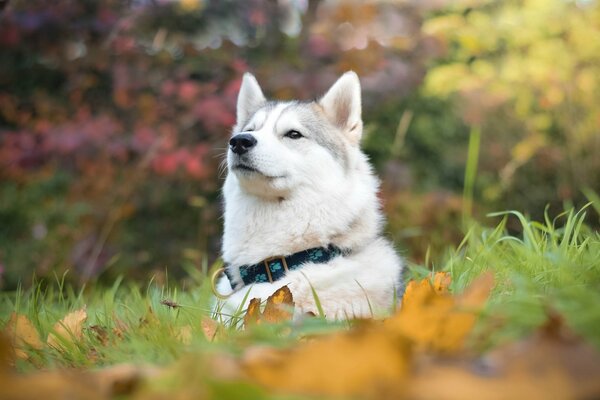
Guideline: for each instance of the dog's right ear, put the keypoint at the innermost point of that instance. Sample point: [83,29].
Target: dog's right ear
[250,98]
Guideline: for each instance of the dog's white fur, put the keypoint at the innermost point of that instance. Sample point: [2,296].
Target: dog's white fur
[308,192]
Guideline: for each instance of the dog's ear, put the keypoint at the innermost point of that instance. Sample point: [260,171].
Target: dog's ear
[342,105]
[250,98]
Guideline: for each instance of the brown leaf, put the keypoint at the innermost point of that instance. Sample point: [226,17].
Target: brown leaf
[23,335]
[252,313]
[122,379]
[278,308]
[49,385]
[210,327]
[540,367]
[100,333]
[68,329]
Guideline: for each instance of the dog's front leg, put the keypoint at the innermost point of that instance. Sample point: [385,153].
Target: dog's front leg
[232,308]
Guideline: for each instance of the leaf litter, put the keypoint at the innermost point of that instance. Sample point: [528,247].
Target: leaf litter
[420,352]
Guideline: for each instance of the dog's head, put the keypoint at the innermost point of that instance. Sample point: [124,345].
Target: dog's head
[277,147]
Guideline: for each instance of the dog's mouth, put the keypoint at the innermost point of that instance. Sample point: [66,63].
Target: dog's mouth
[249,170]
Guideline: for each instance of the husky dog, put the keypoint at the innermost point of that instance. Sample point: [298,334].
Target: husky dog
[301,206]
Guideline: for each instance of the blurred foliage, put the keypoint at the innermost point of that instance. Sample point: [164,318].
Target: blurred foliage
[114,117]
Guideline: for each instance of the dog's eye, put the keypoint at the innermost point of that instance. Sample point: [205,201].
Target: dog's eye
[293,134]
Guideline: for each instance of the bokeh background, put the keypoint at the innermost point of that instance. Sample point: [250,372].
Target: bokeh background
[114,117]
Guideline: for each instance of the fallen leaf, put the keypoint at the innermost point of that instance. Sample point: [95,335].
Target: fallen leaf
[374,358]
[7,353]
[23,334]
[363,361]
[252,313]
[279,307]
[122,379]
[441,282]
[543,366]
[436,320]
[100,333]
[49,385]
[210,327]
[120,328]
[68,329]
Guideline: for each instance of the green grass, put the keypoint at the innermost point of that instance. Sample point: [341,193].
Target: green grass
[554,266]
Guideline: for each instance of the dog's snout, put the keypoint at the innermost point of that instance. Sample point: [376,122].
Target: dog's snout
[241,143]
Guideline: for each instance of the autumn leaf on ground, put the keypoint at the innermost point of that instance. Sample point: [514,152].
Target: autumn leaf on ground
[278,308]
[23,335]
[436,320]
[441,282]
[68,329]
[210,328]
[551,364]
[362,361]
[253,312]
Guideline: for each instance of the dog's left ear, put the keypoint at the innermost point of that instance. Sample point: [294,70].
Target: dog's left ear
[342,105]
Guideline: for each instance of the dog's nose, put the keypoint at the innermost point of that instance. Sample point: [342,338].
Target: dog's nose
[241,143]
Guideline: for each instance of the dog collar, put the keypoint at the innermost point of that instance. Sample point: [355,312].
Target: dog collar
[274,268]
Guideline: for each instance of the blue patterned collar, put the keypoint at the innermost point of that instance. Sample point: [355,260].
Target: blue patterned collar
[274,268]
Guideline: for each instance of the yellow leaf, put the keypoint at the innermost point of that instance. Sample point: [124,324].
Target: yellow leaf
[279,307]
[434,319]
[353,363]
[23,335]
[441,282]
[252,313]
[68,329]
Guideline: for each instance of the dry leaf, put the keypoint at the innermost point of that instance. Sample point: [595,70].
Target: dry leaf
[278,308]
[122,379]
[68,329]
[100,333]
[252,313]
[49,385]
[436,320]
[363,361]
[544,366]
[210,327]
[373,358]
[23,335]
[441,282]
